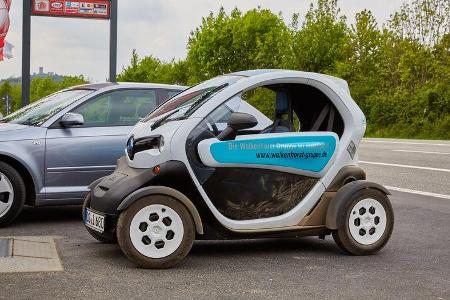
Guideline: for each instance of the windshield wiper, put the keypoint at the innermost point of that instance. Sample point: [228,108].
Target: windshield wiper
[203,98]
[160,121]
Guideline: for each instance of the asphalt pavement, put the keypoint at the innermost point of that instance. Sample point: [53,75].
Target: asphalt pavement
[415,264]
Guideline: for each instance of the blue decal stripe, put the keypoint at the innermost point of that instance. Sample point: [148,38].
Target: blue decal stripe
[308,153]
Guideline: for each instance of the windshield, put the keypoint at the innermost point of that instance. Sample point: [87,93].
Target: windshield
[37,113]
[185,103]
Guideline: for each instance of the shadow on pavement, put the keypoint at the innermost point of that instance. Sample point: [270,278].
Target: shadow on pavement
[261,246]
[50,214]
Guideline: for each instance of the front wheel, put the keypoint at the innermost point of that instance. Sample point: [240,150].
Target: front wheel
[366,223]
[156,232]
[12,194]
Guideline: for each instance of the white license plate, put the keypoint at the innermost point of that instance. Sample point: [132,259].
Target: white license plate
[94,220]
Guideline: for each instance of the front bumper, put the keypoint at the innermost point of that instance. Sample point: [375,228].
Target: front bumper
[107,195]
[109,226]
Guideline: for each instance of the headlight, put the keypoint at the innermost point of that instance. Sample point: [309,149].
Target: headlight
[145,143]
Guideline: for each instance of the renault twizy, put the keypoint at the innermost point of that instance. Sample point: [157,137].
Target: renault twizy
[263,153]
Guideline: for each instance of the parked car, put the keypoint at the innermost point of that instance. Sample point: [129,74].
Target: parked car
[51,150]
[185,176]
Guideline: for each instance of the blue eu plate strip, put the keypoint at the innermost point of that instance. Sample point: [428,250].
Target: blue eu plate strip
[309,153]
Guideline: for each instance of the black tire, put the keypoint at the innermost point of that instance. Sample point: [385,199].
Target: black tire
[124,239]
[344,238]
[93,233]
[19,191]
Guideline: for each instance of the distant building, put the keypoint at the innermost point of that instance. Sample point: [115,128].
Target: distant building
[40,74]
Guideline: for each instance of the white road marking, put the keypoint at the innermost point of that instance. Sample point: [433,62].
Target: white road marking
[425,152]
[393,188]
[406,143]
[404,166]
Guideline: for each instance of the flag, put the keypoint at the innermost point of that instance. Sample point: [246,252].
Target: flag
[5,47]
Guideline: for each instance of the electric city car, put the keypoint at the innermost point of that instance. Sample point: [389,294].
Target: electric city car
[253,154]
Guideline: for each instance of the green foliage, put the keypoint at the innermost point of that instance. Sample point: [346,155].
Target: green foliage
[320,44]
[228,43]
[151,69]
[39,87]
[398,73]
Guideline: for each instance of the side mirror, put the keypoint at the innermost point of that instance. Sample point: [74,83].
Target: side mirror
[236,122]
[71,119]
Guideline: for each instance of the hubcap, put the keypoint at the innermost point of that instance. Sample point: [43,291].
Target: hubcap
[156,231]
[367,221]
[6,195]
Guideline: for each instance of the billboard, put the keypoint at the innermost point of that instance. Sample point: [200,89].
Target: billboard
[95,9]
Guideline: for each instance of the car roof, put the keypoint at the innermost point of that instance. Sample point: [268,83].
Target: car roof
[250,73]
[290,73]
[118,85]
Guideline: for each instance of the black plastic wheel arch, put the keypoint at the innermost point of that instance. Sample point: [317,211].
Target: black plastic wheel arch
[164,190]
[337,204]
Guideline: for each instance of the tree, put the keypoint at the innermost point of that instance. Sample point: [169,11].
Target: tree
[151,69]
[424,21]
[228,43]
[320,42]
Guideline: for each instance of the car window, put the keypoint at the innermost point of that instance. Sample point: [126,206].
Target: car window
[172,93]
[118,108]
[218,119]
[186,102]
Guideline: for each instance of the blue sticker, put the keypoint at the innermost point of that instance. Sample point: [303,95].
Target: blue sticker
[308,153]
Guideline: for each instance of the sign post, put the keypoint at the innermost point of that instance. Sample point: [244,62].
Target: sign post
[26,37]
[113,42]
[83,9]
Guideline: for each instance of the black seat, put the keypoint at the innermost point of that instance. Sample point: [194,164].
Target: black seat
[281,109]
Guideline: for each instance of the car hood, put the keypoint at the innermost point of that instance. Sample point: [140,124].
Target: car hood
[14,132]
[11,126]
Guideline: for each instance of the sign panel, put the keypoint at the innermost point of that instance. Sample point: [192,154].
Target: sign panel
[96,9]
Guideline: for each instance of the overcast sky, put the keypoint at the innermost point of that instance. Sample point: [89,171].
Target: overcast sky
[157,27]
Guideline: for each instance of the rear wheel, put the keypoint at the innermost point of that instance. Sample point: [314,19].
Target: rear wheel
[366,223]
[93,233]
[12,194]
[156,232]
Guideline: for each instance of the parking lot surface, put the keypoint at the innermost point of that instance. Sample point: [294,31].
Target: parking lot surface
[415,264]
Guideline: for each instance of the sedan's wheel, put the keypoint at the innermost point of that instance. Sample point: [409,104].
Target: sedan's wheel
[156,232]
[367,224]
[12,194]
[6,195]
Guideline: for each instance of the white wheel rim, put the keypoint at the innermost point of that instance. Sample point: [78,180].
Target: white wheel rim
[6,195]
[156,231]
[367,221]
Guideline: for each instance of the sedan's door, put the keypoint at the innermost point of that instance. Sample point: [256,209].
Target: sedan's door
[76,156]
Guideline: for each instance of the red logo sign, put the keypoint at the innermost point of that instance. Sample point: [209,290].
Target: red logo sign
[99,9]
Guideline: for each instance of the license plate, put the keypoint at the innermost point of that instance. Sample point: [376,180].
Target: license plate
[94,220]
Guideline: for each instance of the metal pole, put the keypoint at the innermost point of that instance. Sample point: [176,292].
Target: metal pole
[113,42]
[26,36]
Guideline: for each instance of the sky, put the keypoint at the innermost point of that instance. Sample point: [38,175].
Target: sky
[152,27]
